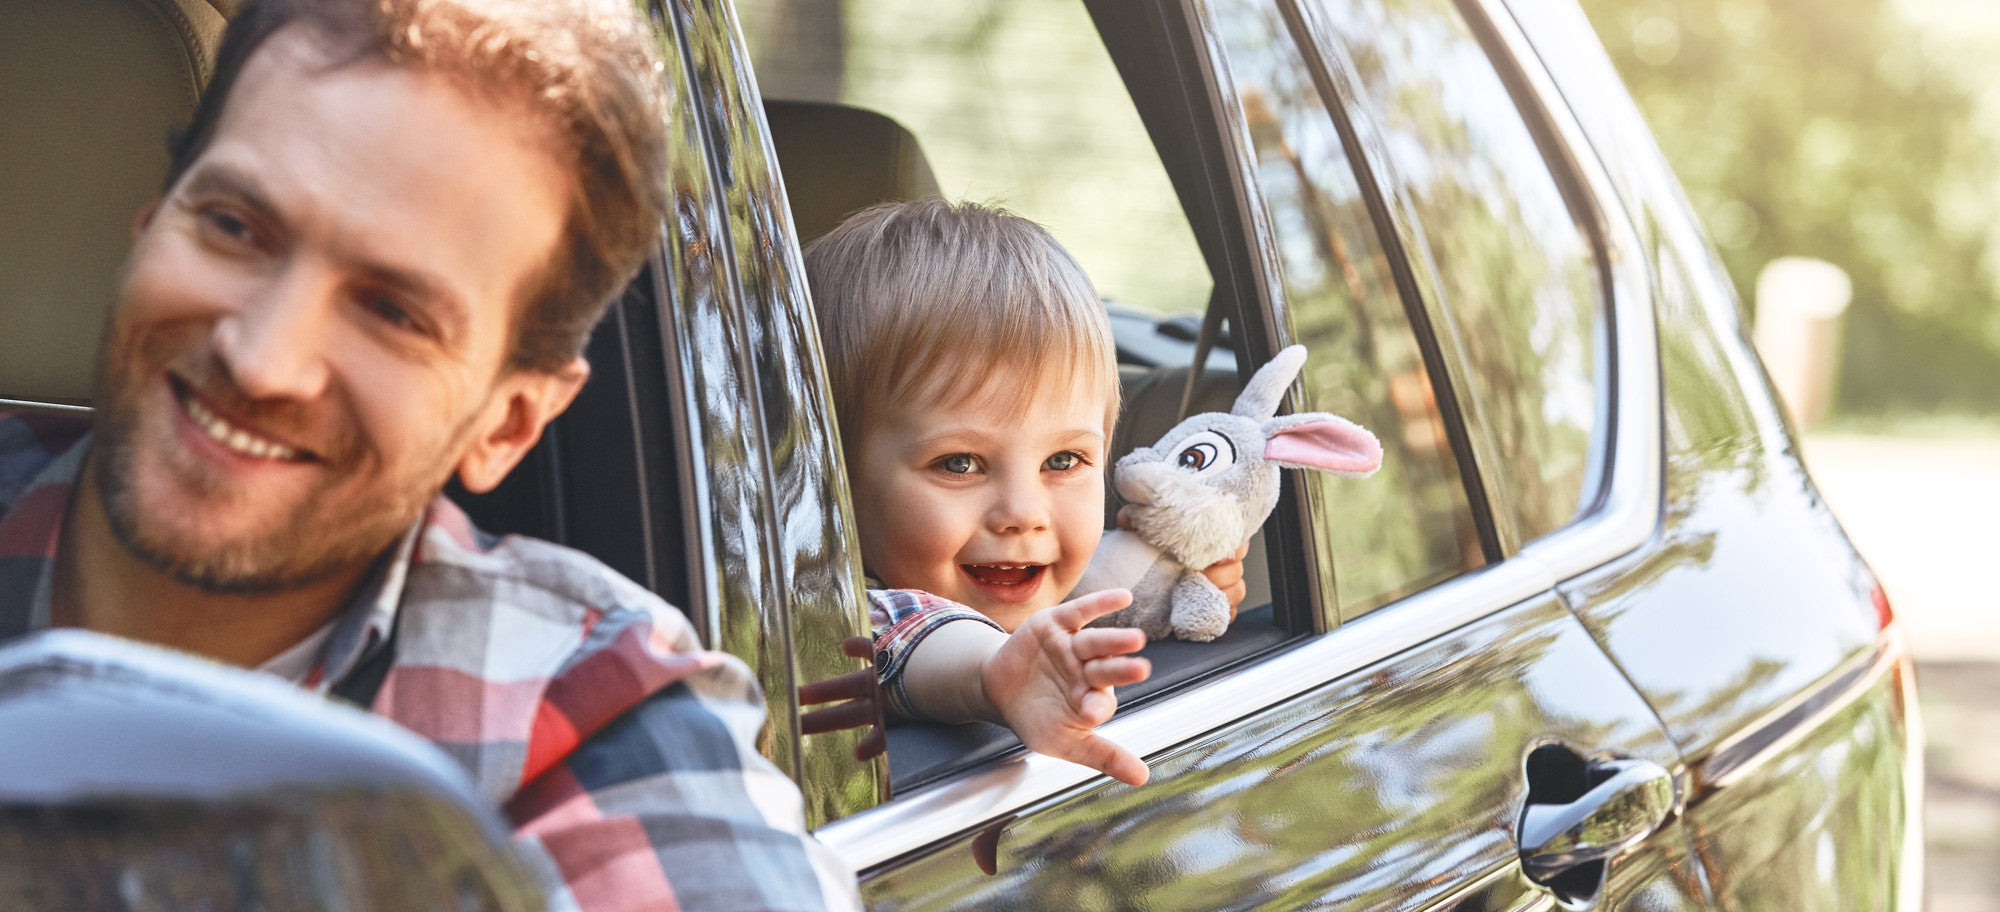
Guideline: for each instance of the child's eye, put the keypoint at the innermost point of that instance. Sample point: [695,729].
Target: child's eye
[958,464]
[1063,462]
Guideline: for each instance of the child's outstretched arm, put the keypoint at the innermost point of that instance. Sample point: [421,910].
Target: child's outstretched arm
[1050,680]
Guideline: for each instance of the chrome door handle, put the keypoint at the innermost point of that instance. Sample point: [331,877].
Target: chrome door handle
[1631,799]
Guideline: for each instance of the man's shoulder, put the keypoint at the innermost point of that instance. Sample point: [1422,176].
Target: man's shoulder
[512,651]
[521,613]
[456,561]
[29,443]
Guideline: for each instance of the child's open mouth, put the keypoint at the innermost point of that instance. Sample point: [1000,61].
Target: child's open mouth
[1006,582]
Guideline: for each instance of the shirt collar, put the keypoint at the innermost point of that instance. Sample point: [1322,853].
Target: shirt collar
[26,583]
[370,615]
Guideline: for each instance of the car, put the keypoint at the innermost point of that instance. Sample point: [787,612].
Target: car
[1590,639]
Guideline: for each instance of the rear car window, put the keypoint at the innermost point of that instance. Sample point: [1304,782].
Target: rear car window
[1410,526]
[1516,273]
[1014,102]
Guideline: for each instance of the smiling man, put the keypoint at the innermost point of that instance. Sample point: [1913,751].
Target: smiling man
[375,261]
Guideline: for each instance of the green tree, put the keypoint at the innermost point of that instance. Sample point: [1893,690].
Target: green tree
[1832,129]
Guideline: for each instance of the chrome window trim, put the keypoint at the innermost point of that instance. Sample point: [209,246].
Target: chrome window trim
[1629,507]
[1625,518]
[32,406]
[930,815]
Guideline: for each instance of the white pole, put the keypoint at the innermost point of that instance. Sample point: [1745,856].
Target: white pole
[1799,305]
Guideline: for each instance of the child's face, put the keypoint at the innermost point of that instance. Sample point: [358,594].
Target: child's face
[969,501]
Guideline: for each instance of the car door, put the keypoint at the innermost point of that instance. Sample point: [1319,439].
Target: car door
[1422,690]
[1748,621]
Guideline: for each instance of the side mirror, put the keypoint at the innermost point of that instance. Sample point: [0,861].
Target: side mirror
[132,778]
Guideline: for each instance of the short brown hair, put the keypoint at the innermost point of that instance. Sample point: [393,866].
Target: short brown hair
[922,301]
[585,68]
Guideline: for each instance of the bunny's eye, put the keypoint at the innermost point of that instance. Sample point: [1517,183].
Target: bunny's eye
[1206,453]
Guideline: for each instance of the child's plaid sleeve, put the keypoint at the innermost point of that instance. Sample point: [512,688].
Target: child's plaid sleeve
[902,618]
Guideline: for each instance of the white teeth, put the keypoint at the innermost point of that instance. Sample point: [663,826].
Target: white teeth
[234,437]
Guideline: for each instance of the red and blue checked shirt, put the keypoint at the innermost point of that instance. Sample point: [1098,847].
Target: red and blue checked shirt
[902,618]
[580,703]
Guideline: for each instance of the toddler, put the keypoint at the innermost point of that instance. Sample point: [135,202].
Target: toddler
[975,384]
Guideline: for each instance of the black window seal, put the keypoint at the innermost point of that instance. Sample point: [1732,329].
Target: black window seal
[1339,104]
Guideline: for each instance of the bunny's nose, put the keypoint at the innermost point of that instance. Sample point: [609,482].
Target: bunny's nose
[1141,484]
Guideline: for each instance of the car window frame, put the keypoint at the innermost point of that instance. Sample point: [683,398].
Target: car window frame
[1620,516]
[1403,231]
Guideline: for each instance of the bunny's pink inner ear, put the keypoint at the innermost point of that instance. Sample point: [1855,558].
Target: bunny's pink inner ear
[1331,444]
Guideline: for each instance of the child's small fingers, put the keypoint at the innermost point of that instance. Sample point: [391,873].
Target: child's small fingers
[850,686]
[858,647]
[852,714]
[1116,672]
[871,745]
[1098,642]
[1077,612]
[1098,706]
[1115,761]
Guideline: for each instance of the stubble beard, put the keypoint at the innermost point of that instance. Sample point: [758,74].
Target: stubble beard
[313,544]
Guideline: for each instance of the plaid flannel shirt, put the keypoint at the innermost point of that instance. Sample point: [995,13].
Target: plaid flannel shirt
[581,704]
[902,618]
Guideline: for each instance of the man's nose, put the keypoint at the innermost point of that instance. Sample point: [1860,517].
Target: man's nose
[1019,506]
[274,345]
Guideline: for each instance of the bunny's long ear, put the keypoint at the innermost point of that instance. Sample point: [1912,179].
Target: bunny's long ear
[1260,397]
[1317,440]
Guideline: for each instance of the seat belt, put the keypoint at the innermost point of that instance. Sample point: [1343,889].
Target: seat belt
[1211,327]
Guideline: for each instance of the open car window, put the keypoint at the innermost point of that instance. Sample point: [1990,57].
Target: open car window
[1083,118]
[1064,112]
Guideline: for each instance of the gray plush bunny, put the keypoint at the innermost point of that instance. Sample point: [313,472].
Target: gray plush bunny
[1202,490]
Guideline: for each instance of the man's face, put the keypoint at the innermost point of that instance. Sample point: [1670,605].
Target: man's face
[311,328]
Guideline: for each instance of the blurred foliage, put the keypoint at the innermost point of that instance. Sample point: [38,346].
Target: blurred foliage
[1838,131]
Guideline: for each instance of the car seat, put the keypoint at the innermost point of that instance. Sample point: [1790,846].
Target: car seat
[837,160]
[90,90]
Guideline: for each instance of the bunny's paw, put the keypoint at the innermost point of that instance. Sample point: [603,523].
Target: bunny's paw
[1201,611]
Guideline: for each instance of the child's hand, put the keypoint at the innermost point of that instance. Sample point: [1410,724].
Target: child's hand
[1051,682]
[862,706]
[1226,574]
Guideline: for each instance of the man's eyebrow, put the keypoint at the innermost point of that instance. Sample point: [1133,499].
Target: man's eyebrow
[435,297]
[222,180]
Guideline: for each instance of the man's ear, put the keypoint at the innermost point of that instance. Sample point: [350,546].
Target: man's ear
[524,404]
[144,216]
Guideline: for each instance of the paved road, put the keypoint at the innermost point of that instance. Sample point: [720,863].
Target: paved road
[1926,514]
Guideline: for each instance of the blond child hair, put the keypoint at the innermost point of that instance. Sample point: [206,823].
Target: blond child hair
[922,301]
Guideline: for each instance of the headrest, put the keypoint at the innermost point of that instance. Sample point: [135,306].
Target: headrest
[838,159]
[89,90]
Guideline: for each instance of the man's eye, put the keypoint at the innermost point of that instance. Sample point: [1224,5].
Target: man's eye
[1063,462]
[227,226]
[958,464]
[391,311]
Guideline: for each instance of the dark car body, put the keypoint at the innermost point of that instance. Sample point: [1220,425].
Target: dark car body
[1594,583]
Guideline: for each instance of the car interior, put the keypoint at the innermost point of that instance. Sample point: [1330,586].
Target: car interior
[122,75]
[837,158]
[89,93]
